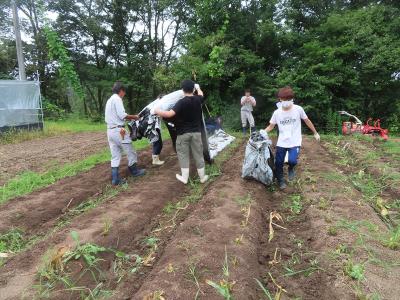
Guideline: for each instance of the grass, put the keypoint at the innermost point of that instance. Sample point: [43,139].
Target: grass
[51,128]
[29,181]
[12,241]
[294,204]
[392,147]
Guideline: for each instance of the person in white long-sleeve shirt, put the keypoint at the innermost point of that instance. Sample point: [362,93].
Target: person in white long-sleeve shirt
[118,139]
[247,102]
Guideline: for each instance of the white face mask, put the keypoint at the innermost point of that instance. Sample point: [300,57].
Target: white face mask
[287,104]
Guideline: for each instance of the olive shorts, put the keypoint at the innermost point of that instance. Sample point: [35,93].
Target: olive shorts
[190,142]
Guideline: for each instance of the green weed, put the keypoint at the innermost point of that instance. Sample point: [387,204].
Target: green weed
[195,276]
[294,204]
[151,242]
[323,203]
[314,266]
[107,224]
[52,274]
[332,230]
[86,251]
[12,241]
[265,290]
[354,271]
[243,200]
[392,239]
[224,288]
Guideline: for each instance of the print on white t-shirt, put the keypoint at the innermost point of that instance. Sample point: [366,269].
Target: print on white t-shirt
[289,125]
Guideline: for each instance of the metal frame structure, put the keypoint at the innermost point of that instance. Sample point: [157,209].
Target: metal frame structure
[20,108]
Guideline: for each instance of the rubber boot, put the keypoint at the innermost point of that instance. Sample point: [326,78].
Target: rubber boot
[184,177]
[115,180]
[135,171]
[281,183]
[291,173]
[157,161]
[253,129]
[244,130]
[202,175]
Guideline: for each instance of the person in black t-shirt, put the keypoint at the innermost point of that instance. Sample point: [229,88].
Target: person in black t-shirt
[188,115]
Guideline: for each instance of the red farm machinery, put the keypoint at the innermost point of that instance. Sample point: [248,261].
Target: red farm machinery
[371,127]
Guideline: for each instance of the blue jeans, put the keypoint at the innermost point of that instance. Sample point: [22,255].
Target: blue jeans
[157,146]
[280,159]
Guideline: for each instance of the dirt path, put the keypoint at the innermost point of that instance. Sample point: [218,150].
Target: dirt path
[128,214]
[40,154]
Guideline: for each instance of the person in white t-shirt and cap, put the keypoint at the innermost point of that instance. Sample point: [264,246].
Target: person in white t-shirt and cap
[288,117]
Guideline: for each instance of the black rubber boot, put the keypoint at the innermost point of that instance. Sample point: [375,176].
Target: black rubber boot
[291,173]
[115,180]
[244,130]
[281,183]
[136,172]
[253,129]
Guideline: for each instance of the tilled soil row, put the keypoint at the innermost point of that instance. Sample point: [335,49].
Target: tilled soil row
[225,240]
[336,212]
[376,175]
[222,230]
[311,255]
[289,259]
[128,215]
[374,161]
[36,213]
[40,154]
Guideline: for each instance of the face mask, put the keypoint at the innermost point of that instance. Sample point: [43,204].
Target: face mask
[278,104]
[287,104]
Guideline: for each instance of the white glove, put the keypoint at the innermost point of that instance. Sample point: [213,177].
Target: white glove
[317,137]
[264,133]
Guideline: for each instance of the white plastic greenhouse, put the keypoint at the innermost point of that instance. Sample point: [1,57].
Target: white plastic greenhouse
[20,105]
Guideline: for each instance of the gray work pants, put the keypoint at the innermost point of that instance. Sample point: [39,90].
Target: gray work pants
[119,145]
[247,116]
[190,142]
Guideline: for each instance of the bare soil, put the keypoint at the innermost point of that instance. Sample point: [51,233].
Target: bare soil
[129,213]
[39,211]
[40,154]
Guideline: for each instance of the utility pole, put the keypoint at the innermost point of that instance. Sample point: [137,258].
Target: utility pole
[18,42]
